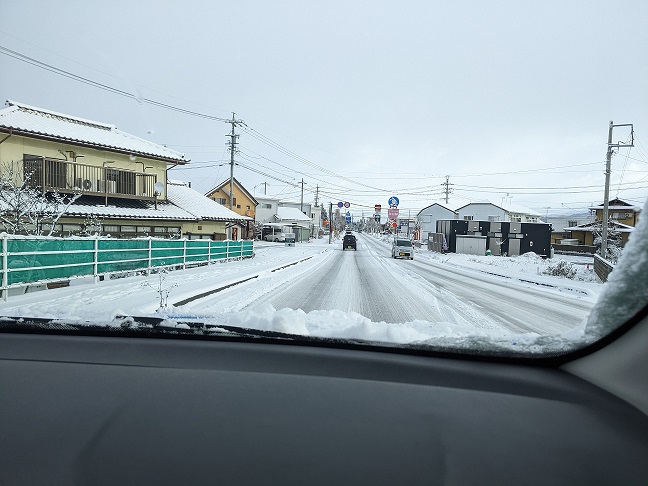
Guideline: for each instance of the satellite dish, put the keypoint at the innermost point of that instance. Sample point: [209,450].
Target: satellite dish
[157,187]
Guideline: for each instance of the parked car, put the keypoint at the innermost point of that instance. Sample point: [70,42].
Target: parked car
[402,249]
[281,237]
[349,242]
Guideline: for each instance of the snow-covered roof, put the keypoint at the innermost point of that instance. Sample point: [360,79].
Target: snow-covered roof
[444,206]
[560,224]
[200,205]
[589,227]
[225,185]
[292,214]
[183,204]
[509,208]
[28,120]
[618,204]
[125,208]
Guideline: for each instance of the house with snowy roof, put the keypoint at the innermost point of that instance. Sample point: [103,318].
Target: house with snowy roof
[428,217]
[285,217]
[489,211]
[243,203]
[622,217]
[117,178]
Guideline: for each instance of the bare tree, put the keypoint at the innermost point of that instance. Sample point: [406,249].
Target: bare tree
[25,208]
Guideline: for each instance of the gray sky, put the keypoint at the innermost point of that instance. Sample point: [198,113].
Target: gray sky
[387,97]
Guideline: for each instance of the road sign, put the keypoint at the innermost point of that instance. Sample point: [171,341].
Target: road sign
[392,213]
[348,219]
[340,204]
[393,201]
[394,224]
[347,205]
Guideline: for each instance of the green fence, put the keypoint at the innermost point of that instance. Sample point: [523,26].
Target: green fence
[30,260]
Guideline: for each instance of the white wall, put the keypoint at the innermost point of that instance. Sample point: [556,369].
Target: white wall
[429,216]
[266,215]
[482,212]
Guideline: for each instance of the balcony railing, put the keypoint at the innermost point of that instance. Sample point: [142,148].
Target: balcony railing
[65,176]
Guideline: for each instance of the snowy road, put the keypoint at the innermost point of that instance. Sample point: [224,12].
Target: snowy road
[316,288]
[371,283]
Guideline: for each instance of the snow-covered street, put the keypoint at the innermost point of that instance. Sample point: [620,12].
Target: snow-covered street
[319,289]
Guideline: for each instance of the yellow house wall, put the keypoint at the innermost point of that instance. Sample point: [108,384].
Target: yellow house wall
[241,200]
[203,227]
[632,221]
[13,149]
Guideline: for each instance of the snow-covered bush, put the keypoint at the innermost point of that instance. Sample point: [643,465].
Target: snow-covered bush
[561,269]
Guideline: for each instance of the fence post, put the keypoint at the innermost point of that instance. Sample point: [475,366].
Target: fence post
[95,267]
[227,248]
[209,251]
[5,273]
[148,268]
[184,253]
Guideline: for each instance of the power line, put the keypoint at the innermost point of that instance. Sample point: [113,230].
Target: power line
[105,87]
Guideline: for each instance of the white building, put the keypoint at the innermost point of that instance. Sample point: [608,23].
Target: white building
[286,217]
[427,217]
[488,211]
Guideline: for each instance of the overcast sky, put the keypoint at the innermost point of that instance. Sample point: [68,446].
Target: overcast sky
[367,99]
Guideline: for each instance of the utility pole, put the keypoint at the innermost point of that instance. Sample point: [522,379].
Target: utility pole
[608,164]
[330,221]
[447,188]
[316,195]
[301,204]
[232,148]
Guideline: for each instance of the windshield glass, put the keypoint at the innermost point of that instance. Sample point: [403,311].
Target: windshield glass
[489,160]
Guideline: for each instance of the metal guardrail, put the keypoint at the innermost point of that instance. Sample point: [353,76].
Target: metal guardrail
[602,268]
[33,260]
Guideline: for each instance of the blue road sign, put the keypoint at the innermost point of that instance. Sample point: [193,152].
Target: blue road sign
[393,201]
[340,204]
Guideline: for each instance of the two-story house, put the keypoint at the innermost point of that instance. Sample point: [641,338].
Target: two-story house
[285,216]
[118,178]
[243,203]
[488,211]
[622,217]
[428,217]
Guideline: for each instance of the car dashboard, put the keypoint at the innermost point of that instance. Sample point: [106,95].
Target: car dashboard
[91,409]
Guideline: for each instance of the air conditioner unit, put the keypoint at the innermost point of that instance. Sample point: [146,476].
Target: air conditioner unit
[111,186]
[85,184]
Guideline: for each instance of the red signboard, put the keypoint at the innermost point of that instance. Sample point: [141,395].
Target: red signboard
[392,213]
[394,224]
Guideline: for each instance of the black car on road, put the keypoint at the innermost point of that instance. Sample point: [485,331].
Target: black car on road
[349,242]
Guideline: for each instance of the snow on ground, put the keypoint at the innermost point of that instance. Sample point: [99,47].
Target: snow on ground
[139,296]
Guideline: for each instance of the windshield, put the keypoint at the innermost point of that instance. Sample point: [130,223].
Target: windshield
[490,160]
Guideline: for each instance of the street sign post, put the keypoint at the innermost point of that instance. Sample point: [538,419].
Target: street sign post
[392,213]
